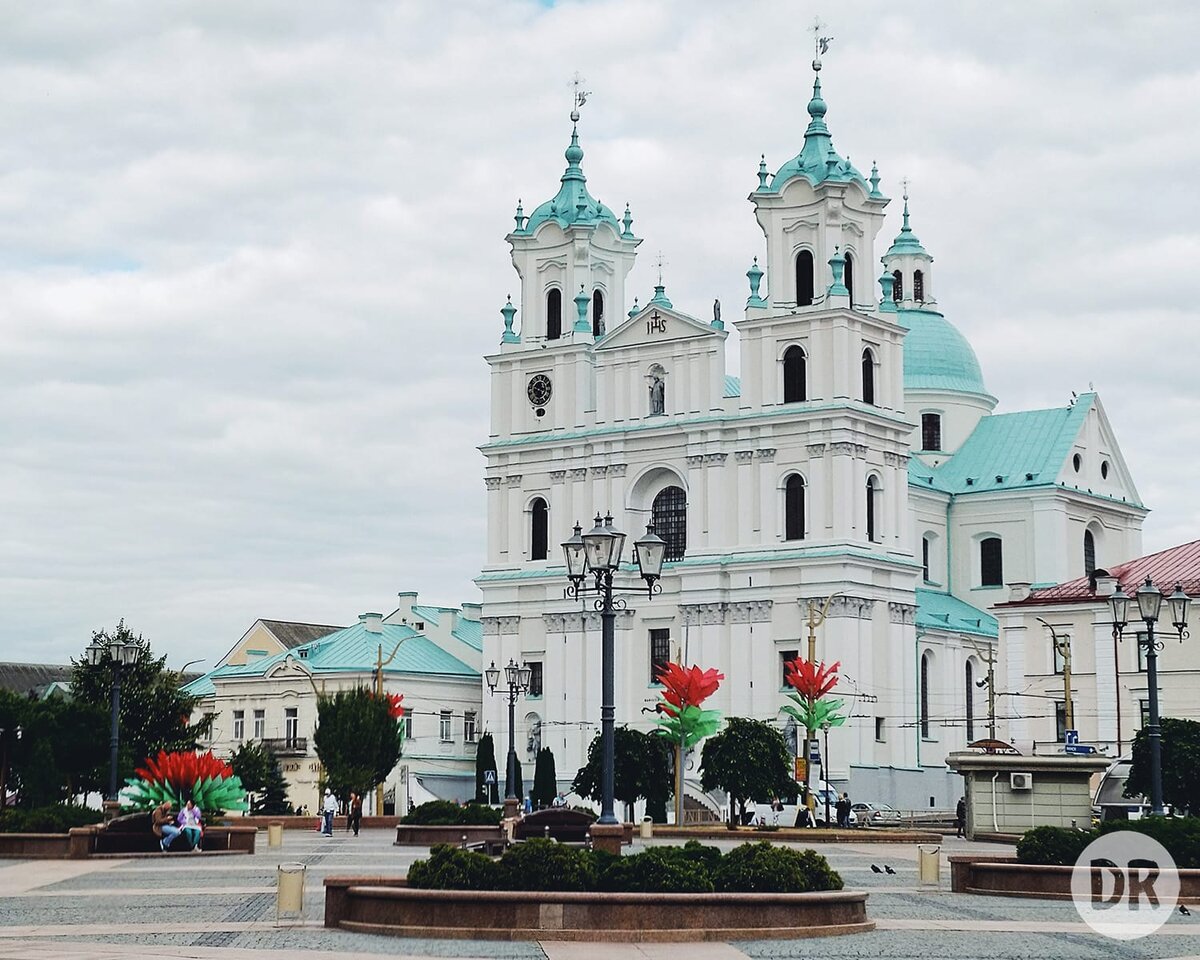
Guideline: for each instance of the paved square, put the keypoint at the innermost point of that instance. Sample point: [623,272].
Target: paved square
[224,907]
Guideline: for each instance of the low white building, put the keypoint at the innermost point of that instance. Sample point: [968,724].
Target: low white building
[430,654]
[858,454]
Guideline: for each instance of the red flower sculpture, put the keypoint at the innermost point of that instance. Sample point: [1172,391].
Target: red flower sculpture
[812,680]
[395,705]
[687,686]
[184,769]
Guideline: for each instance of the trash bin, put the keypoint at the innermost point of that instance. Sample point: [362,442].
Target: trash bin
[289,895]
[647,828]
[275,833]
[929,865]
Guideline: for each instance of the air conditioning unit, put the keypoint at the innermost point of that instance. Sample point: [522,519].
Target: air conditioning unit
[1020,781]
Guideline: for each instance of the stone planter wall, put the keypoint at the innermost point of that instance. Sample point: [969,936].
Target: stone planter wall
[35,846]
[423,835]
[1005,877]
[309,822]
[387,906]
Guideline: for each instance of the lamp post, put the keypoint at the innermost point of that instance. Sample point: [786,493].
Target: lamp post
[825,768]
[598,552]
[816,617]
[517,678]
[1149,604]
[121,653]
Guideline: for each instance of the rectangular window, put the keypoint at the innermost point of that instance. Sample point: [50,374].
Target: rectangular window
[925,558]
[444,726]
[1140,644]
[880,729]
[239,724]
[535,677]
[1060,720]
[991,562]
[785,657]
[931,431]
[1059,660]
[660,652]
[469,726]
[408,720]
[291,725]
[260,724]
[1144,712]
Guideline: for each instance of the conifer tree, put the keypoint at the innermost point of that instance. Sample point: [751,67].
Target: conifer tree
[485,759]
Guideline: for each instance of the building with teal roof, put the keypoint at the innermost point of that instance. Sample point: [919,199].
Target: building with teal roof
[429,654]
[856,452]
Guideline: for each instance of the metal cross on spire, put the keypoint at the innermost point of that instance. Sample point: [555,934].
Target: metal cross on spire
[904,183]
[580,97]
[659,262]
[820,43]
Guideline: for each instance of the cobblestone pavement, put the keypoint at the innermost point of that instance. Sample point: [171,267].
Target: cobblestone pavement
[224,907]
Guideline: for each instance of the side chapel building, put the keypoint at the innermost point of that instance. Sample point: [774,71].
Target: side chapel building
[858,455]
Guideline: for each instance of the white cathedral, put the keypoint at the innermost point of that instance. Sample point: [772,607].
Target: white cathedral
[857,456]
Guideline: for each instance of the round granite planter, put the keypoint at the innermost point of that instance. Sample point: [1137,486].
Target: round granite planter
[1005,877]
[424,835]
[378,905]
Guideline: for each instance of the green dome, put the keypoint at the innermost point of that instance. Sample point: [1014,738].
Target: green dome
[573,203]
[937,356]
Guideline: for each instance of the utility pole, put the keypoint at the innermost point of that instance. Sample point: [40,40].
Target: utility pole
[380,663]
[990,681]
[816,617]
[1062,646]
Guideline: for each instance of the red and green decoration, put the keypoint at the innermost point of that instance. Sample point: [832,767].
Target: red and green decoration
[811,705]
[395,705]
[681,717]
[177,778]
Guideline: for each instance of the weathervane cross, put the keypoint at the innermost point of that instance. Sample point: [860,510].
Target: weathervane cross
[660,263]
[820,43]
[580,97]
[904,183]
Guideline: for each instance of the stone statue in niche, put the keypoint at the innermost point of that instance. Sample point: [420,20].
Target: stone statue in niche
[658,396]
[534,742]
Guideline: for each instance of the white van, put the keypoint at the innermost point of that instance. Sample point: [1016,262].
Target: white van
[763,814]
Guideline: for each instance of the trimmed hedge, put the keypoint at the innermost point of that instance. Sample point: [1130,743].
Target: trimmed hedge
[56,819]
[693,868]
[443,813]
[1062,846]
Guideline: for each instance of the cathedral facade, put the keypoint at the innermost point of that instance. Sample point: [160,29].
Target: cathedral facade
[857,457]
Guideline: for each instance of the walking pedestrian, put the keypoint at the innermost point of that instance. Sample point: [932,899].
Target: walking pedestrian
[843,811]
[355,811]
[960,814]
[328,809]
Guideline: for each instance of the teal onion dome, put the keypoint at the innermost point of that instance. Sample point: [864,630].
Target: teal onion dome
[573,204]
[817,161]
[937,356]
[574,152]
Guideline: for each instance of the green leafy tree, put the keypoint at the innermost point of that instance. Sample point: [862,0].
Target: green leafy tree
[641,769]
[273,799]
[357,739]
[62,744]
[749,761]
[155,713]
[545,779]
[252,762]
[485,759]
[1180,764]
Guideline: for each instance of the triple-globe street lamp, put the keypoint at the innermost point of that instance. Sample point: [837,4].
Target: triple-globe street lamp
[517,678]
[598,553]
[1149,604]
[122,654]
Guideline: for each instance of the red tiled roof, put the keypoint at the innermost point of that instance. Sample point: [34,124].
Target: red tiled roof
[1166,568]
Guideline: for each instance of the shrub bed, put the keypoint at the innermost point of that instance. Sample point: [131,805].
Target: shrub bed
[443,813]
[1061,846]
[693,868]
[56,819]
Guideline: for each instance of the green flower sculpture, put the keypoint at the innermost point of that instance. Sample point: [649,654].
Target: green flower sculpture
[681,717]
[809,705]
[176,778]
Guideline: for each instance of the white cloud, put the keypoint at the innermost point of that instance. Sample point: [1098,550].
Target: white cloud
[252,255]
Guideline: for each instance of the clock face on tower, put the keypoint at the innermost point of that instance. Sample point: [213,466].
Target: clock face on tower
[538,390]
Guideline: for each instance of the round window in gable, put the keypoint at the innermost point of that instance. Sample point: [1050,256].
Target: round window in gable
[1104,470]
[1077,462]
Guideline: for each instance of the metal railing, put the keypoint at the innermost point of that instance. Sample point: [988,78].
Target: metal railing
[287,746]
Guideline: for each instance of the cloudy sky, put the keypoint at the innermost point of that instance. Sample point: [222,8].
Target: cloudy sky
[252,255]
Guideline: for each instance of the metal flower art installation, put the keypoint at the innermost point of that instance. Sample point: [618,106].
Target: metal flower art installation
[681,716]
[812,683]
[176,778]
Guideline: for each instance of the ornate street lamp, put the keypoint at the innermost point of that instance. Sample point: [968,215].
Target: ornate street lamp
[122,654]
[517,678]
[1149,606]
[598,552]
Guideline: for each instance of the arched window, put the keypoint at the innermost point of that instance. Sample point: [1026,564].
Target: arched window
[597,314]
[848,276]
[925,695]
[991,562]
[1089,553]
[804,278]
[868,374]
[919,286]
[539,529]
[970,702]
[931,431]
[897,286]
[795,373]
[669,514]
[925,559]
[554,314]
[871,494]
[793,508]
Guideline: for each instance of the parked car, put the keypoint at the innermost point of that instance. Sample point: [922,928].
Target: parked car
[876,814]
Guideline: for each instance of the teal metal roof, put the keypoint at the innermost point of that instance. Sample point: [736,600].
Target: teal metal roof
[940,611]
[572,204]
[906,241]
[937,356]
[470,632]
[733,387]
[817,161]
[200,687]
